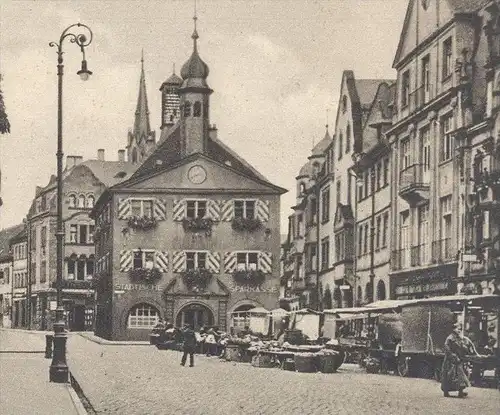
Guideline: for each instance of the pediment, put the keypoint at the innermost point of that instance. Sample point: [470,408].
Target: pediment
[216,288]
[201,174]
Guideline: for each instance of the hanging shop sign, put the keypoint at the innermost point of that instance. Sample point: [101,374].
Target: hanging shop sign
[137,287]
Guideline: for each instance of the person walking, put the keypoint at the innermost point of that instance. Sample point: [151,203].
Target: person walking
[453,377]
[189,346]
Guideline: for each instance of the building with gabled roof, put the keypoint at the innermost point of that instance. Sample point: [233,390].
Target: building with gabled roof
[193,236]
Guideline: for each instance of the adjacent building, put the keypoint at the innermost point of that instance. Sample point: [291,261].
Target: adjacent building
[19,251]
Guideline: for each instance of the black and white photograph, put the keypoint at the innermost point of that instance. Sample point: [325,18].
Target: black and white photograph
[255,207]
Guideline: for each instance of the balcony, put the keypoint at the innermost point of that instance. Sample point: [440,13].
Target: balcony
[442,251]
[419,255]
[400,259]
[418,98]
[414,184]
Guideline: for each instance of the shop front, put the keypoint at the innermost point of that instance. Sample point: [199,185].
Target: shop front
[424,283]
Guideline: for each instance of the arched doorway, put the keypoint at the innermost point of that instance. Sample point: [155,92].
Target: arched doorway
[197,315]
[381,290]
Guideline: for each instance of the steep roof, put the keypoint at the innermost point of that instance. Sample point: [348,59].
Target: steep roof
[5,237]
[320,148]
[111,172]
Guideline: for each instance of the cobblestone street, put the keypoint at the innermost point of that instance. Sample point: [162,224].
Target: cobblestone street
[143,380]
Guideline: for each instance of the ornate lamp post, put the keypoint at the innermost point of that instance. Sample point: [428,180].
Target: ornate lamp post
[59,368]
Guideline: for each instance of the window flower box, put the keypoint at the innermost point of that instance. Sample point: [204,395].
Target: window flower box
[249,277]
[198,225]
[246,224]
[142,223]
[147,275]
[196,279]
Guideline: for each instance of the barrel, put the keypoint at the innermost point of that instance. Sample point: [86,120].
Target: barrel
[305,363]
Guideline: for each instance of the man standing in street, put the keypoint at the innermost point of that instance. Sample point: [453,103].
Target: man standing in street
[189,345]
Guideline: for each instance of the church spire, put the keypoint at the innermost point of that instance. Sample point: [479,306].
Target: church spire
[142,127]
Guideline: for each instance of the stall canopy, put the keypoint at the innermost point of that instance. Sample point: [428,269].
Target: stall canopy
[279,312]
[258,310]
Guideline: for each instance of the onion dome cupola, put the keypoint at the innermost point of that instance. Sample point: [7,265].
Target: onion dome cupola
[170,100]
[194,102]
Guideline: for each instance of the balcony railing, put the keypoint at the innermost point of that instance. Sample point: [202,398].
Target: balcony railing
[419,97]
[442,251]
[414,183]
[401,258]
[419,255]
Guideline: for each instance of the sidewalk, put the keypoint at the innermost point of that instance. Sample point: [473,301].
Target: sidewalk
[24,385]
[92,337]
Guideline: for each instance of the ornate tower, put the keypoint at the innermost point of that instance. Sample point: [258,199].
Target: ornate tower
[195,99]
[141,140]
[170,101]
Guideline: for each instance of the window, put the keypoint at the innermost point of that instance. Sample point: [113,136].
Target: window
[425,81]
[385,229]
[361,188]
[405,154]
[143,259]
[90,267]
[313,207]
[339,246]
[348,138]
[143,316]
[187,109]
[445,205]
[196,260]
[378,232]
[81,201]
[446,137]
[325,205]
[72,201]
[360,240]
[312,257]
[80,270]
[82,238]
[344,103]
[43,239]
[244,209]
[447,58]
[366,183]
[44,202]
[341,145]
[298,229]
[90,238]
[386,171]
[73,233]
[405,88]
[90,201]
[365,240]
[43,271]
[196,209]
[197,109]
[325,253]
[379,175]
[246,261]
[142,208]
[339,191]
[71,269]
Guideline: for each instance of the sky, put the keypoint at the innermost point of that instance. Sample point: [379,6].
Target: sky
[275,68]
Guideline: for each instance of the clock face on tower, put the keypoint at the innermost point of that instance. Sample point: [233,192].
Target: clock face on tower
[197,174]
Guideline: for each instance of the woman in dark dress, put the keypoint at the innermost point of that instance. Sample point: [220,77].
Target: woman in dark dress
[452,373]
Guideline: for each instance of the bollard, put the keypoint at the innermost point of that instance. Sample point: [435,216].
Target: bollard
[49,338]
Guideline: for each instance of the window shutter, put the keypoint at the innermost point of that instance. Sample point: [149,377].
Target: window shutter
[213,210]
[265,262]
[162,261]
[160,209]
[213,262]
[179,211]
[229,262]
[124,208]
[179,261]
[227,210]
[262,210]
[126,257]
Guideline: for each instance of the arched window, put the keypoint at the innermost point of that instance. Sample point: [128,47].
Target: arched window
[187,109]
[143,316]
[72,201]
[90,201]
[81,201]
[381,295]
[197,109]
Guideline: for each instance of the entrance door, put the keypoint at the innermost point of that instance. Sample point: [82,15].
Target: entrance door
[197,315]
[77,320]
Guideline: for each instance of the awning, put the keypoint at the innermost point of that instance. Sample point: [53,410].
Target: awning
[258,310]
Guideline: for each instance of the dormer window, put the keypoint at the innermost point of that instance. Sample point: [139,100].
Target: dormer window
[197,109]
[187,109]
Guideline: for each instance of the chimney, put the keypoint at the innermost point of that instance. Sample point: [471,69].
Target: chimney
[121,155]
[77,160]
[70,162]
[100,154]
[212,132]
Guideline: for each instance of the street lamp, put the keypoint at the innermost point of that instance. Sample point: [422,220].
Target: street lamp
[59,368]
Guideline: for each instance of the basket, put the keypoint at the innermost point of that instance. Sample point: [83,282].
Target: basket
[232,353]
[262,361]
[328,363]
[305,363]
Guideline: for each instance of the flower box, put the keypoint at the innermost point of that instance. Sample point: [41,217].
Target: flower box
[246,224]
[142,223]
[250,277]
[198,225]
[196,279]
[148,275]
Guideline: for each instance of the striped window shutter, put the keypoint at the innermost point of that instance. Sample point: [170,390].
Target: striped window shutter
[213,210]
[179,211]
[229,262]
[160,209]
[162,260]
[262,210]
[227,210]
[126,257]
[265,262]
[213,262]
[124,208]
[179,261]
